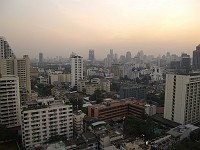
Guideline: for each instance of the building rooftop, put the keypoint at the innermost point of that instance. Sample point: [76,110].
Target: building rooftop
[180,130]
[39,104]
[75,56]
[98,123]
[159,118]
[89,137]
[113,103]
[90,119]
[112,147]
[56,146]
[77,112]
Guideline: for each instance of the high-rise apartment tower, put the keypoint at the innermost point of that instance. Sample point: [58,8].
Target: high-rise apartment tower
[9,101]
[5,50]
[76,69]
[182,98]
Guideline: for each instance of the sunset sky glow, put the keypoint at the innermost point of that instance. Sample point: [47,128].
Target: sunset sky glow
[58,27]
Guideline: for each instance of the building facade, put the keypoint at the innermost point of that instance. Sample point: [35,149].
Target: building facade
[78,122]
[91,55]
[136,91]
[5,50]
[90,86]
[182,99]
[76,69]
[196,58]
[19,67]
[9,101]
[44,119]
[156,74]
[118,109]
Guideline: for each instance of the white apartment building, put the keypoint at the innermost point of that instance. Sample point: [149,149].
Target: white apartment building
[76,69]
[43,119]
[5,50]
[81,84]
[23,71]
[19,67]
[59,78]
[105,85]
[156,73]
[90,86]
[182,98]
[9,101]
[78,122]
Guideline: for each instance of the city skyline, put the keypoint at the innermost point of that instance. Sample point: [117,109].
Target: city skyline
[59,27]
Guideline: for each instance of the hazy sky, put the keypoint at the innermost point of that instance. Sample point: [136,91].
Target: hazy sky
[58,27]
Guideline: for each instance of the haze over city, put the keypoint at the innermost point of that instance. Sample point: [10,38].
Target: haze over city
[58,27]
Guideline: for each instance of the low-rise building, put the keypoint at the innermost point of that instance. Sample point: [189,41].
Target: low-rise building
[118,109]
[90,86]
[88,141]
[156,74]
[173,135]
[135,145]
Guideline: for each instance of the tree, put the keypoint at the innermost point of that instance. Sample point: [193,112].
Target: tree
[115,87]
[44,90]
[97,96]
[137,127]
[84,90]
[7,134]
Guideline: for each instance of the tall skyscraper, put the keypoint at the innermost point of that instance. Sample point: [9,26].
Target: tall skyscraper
[111,55]
[76,69]
[128,56]
[5,50]
[108,61]
[41,58]
[196,58]
[182,99]
[9,65]
[91,55]
[9,101]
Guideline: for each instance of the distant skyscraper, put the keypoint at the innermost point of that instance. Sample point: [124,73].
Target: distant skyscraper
[41,58]
[122,58]
[91,55]
[76,69]
[185,61]
[115,58]
[128,56]
[196,58]
[111,55]
[182,100]
[5,50]
[9,101]
[107,61]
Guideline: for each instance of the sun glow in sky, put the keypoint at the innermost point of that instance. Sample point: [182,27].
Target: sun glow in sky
[58,27]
